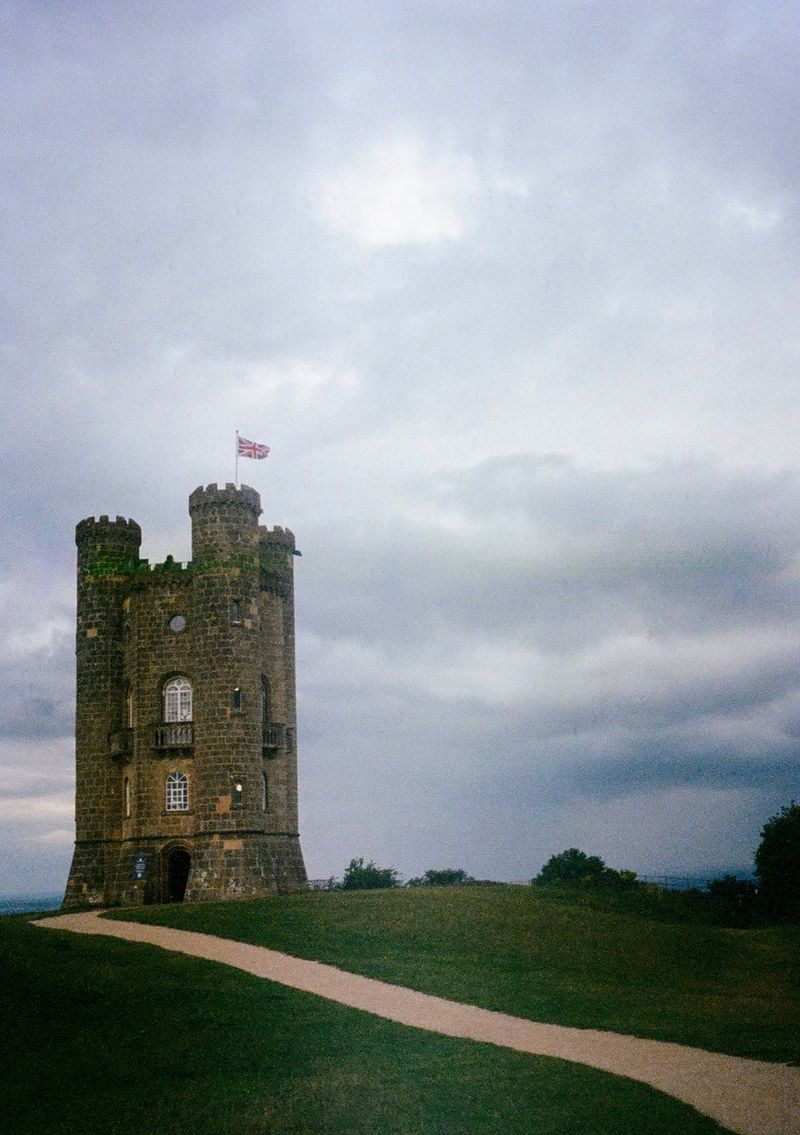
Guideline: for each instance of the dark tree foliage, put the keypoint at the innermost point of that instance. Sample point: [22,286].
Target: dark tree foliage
[734,902]
[361,876]
[778,864]
[574,868]
[445,877]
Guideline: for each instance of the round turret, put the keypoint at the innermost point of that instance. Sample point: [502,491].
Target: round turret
[108,546]
[224,523]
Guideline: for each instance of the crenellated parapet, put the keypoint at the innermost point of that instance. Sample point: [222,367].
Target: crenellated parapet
[214,497]
[277,535]
[169,574]
[108,547]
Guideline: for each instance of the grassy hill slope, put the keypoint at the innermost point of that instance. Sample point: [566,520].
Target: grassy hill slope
[109,1037]
[591,960]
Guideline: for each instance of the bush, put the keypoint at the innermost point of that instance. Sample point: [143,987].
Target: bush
[778,864]
[361,876]
[574,868]
[446,877]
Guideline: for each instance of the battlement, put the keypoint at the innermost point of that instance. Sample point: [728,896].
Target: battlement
[105,528]
[170,566]
[212,496]
[169,574]
[276,535]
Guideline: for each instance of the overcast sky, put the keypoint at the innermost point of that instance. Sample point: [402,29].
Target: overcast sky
[511,289]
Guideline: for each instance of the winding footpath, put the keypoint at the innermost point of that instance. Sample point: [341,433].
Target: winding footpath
[750,1097]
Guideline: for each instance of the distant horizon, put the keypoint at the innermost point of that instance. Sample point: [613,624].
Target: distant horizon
[30,896]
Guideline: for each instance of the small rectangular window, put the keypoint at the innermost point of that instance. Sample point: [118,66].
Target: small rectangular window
[236,611]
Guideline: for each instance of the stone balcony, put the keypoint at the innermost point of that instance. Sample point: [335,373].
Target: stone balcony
[120,742]
[174,735]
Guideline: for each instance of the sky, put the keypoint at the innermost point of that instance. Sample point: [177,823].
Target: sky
[511,290]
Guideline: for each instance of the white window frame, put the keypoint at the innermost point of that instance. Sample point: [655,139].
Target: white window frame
[176,797]
[178,699]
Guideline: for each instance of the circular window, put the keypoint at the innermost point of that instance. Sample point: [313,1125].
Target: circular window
[177,623]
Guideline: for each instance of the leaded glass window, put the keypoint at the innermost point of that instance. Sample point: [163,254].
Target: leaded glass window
[177,792]
[178,700]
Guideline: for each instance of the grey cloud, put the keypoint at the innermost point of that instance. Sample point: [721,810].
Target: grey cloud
[536,460]
[23,716]
[48,783]
[657,767]
[561,555]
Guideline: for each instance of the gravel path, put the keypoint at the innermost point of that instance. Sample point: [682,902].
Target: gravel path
[750,1097]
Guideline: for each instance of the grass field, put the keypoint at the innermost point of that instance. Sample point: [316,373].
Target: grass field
[638,964]
[109,1037]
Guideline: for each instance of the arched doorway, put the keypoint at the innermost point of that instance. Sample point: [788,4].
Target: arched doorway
[176,874]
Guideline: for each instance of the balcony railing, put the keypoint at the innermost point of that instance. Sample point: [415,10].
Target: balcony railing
[273,738]
[120,742]
[175,735]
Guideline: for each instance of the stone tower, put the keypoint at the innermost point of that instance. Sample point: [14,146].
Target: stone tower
[186,741]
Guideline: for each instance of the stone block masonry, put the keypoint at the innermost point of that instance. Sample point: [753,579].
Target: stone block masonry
[186,754]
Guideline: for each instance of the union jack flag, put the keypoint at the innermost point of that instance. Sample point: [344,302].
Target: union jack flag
[252,449]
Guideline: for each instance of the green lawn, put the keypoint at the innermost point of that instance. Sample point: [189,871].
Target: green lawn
[583,960]
[110,1038]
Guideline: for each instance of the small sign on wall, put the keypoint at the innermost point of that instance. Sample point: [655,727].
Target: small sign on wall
[140,865]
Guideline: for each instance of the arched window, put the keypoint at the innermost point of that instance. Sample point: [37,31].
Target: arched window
[128,707]
[177,799]
[264,792]
[126,797]
[178,700]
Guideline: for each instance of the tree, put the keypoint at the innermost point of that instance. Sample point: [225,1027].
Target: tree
[734,902]
[574,868]
[778,864]
[361,876]
[445,877]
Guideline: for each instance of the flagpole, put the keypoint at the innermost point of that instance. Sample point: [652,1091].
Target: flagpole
[236,466]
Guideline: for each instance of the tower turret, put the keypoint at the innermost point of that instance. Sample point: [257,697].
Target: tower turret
[224,525]
[108,556]
[108,548]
